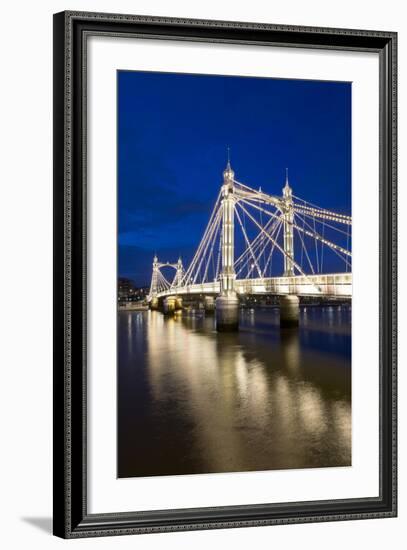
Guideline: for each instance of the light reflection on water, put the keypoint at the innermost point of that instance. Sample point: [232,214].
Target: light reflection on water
[191,400]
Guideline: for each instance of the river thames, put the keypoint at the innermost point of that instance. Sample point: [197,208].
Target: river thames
[191,400]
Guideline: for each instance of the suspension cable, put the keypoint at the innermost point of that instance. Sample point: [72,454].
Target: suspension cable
[311,216]
[269,259]
[207,243]
[247,242]
[278,246]
[324,214]
[215,212]
[310,234]
[217,225]
[335,248]
[316,246]
[304,248]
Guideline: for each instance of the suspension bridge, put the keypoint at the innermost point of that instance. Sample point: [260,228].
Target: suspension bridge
[260,244]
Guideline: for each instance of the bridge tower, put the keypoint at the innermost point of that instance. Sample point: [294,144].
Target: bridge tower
[288,219]
[154,284]
[227,303]
[290,304]
[179,273]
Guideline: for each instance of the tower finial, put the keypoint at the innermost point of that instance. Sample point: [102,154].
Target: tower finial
[287,191]
[228,173]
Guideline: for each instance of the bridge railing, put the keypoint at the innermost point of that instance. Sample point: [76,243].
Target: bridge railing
[335,285]
[329,285]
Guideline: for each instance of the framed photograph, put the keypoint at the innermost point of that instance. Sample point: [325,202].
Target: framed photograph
[224,274]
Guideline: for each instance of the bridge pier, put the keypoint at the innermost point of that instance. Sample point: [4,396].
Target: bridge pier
[154,303]
[209,305]
[289,310]
[169,305]
[178,303]
[227,313]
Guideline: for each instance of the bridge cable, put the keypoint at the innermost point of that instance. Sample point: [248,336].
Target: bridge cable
[309,233]
[261,223]
[279,225]
[322,246]
[215,210]
[311,216]
[207,243]
[217,225]
[323,214]
[335,248]
[255,245]
[341,218]
[205,248]
[316,246]
[247,241]
[219,255]
[304,249]
[280,248]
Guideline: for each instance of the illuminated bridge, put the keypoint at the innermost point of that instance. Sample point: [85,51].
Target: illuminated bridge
[251,236]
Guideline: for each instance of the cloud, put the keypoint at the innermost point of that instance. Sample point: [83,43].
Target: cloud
[151,195]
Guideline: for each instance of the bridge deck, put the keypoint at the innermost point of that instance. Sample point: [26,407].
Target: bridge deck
[330,285]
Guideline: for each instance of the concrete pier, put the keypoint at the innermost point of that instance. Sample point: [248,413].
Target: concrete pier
[227,313]
[209,305]
[169,305]
[178,303]
[154,303]
[289,311]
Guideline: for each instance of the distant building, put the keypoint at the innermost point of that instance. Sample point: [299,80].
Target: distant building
[128,292]
[125,289]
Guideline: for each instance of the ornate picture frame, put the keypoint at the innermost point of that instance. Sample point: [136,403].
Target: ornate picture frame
[71,33]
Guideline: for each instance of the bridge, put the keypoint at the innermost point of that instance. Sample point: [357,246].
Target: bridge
[250,236]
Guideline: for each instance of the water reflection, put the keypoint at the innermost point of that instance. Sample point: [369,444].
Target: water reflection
[191,400]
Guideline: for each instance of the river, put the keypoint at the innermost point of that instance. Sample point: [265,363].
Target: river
[191,400]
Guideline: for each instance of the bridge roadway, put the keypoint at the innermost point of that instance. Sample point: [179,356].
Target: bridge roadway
[330,286]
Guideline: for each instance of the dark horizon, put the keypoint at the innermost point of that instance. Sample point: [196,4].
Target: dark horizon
[173,134]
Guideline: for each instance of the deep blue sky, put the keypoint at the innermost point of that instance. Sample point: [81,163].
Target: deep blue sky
[173,134]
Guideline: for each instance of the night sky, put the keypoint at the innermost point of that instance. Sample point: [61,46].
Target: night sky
[173,134]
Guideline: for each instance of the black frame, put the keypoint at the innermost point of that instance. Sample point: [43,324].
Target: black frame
[71,519]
